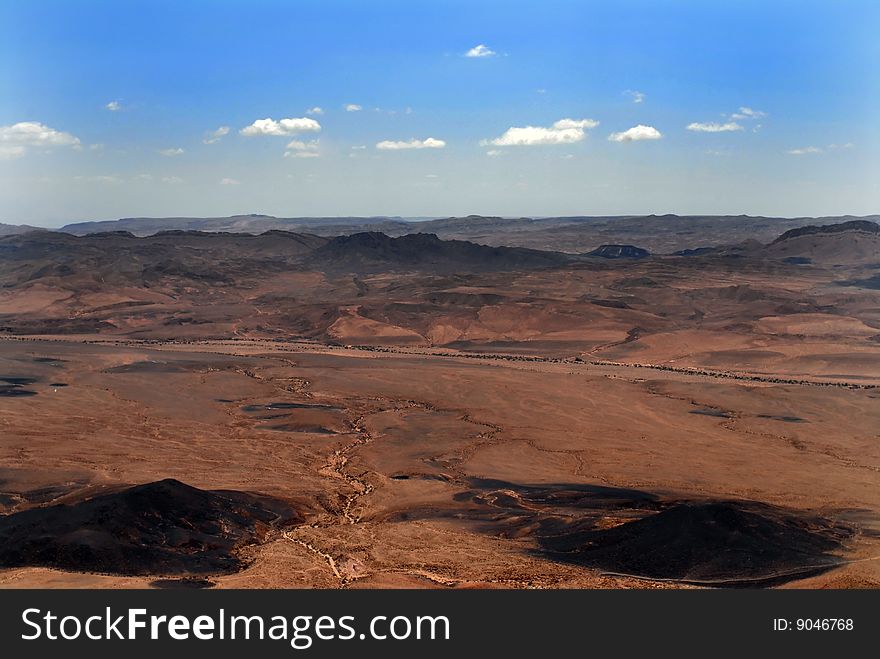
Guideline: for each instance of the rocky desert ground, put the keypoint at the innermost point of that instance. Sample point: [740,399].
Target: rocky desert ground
[191,409]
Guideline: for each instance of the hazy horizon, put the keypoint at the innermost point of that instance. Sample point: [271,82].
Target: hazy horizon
[348,109]
[427,218]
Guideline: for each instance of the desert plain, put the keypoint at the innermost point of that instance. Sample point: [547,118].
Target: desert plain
[236,410]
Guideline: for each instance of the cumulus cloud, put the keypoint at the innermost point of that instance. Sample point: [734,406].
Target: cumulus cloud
[353,107]
[637,97]
[564,131]
[635,134]
[315,110]
[480,50]
[16,139]
[229,181]
[216,135]
[748,113]
[170,153]
[714,127]
[114,106]
[807,150]
[33,133]
[494,153]
[427,143]
[281,127]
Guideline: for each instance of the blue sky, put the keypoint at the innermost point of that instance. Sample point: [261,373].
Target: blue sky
[108,109]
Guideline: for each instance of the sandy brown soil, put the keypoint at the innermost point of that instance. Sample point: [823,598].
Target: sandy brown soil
[379,462]
[664,422]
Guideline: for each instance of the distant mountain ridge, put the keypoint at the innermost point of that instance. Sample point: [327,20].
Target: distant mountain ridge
[14,229]
[659,234]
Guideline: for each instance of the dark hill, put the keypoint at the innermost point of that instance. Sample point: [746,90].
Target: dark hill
[619,252]
[725,543]
[371,251]
[169,257]
[164,527]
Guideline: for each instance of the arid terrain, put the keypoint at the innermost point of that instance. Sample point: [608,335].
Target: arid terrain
[359,410]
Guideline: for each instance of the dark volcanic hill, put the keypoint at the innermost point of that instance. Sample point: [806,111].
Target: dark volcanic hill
[165,527]
[718,542]
[372,251]
[619,252]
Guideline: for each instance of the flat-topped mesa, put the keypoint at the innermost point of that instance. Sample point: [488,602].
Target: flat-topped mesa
[425,251]
[619,252]
[848,244]
[864,226]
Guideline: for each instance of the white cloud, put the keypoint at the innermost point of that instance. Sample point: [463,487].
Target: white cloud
[353,107]
[216,135]
[564,131]
[298,145]
[114,106]
[300,149]
[714,127]
[174,180]
[15,139]
[111,180]
[143,177]
[33,133]
[170,153]
[11,152]
[748,113]
[848,145]
[428,143]
[494,153]
[359,147]
[480,50]
[637,97]
[804,151]
[636,133]
[229,181]
[315,110]
[281,127]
